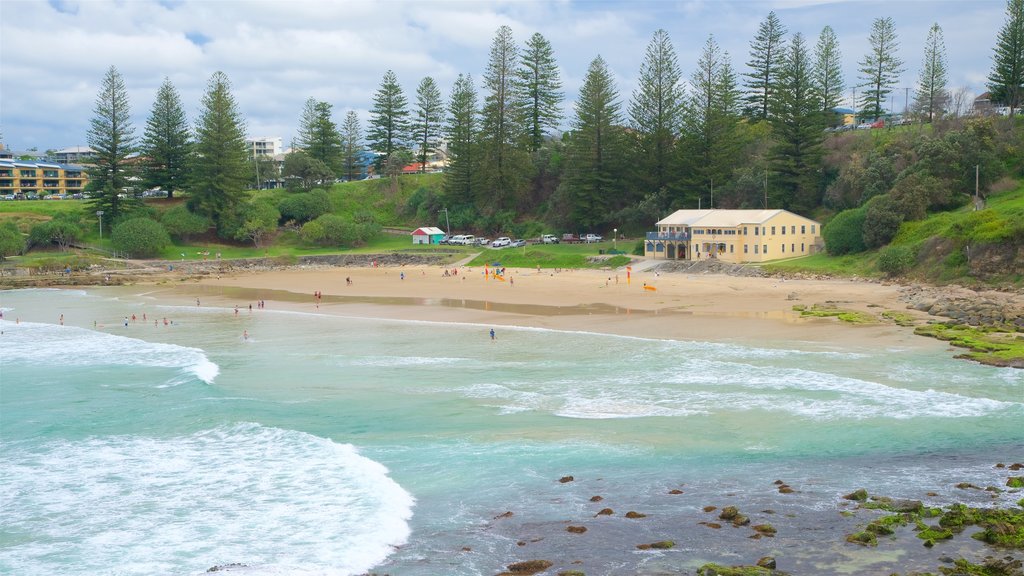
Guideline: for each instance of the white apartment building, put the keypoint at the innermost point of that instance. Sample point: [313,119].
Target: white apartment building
[264,146]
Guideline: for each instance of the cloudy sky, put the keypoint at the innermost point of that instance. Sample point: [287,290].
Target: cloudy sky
[53,53]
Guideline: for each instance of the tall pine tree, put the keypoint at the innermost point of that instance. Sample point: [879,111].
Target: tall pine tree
[461,130]
[766,53]
[426,124]
[389,120]
[797,131]
[352,145]
[504,164]
[540,88]
[166,144]
[112,139]
[655,110]
[220,167]
[1006,80]
[596,150]
[881,67]
[318,135]
[930,97]
[709,143]
[827,72]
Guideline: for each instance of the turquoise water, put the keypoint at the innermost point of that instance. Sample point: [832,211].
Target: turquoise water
[339,445]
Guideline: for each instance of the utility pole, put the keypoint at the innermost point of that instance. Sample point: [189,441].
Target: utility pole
[976,167]
[765,188]
[906,101]
[712,193]
[447,227]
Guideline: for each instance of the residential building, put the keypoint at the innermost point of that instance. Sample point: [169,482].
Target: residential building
[41,178]
[264,146]
[737,236]
[74,155]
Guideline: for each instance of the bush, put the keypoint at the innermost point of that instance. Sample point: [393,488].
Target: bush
[182,223]
[305,207]
[11,241]
[140,237]
[881,221]
[334,230]
[896,260]
[844,234]
[60,231]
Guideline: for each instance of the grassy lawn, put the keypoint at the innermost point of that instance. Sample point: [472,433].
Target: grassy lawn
[549,256]
[847,265]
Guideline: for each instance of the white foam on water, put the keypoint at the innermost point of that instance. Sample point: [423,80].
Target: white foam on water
[35,343]
[278,501]
[398,361]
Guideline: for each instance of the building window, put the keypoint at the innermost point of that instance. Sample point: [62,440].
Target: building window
[755,248]
[802,247]
[744,248]
[792,229]
[792,247]
[764,249]
[803,228]
[783,248]
[812,229]
[730,249]
[755,230]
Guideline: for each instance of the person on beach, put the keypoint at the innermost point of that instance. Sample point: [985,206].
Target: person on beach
[197,301]
[492,333]
[61,319]
[125,321]
[245,334]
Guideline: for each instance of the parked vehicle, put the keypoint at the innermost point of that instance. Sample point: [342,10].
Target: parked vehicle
[483,241]
[501,242]
[444,239]
[549,239]
[571,239]
[590,238]
[518,243]
[462,239]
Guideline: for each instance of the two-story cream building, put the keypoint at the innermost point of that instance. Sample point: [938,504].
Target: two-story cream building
[736,236]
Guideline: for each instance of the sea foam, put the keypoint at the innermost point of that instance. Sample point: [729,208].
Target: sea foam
[35,343]
[278,501]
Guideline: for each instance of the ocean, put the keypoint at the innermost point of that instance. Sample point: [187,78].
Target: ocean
[281,442]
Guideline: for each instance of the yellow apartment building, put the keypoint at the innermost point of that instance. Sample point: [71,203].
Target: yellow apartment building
[41,178]
[736,236]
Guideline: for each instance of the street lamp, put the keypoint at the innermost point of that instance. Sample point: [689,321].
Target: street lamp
[448,228]
[615,236]
[99,214]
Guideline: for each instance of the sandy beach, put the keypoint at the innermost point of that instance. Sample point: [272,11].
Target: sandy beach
[706,307]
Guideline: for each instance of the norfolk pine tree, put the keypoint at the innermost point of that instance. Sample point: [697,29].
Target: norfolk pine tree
[166,144]
[220,166]
[930,97]
[389,120]
[881,67]
[656,110]
[318,135]
[797,129]
[461,129]
[112,138]
[709,141]
[596,149]
[827,73]
[504,164]
[1006,80]
[426,126]
[540,90]
[351,138]
[766,52]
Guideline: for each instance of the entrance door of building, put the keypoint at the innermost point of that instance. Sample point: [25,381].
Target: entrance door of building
[671,254]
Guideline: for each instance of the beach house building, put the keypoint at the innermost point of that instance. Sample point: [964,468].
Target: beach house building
[20,177]
[427,235]
[736,236]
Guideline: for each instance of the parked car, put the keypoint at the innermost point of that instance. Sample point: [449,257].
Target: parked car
[444,239]
[518,243]
[590,238]
[549,239]
[501,242]
[864,126]
[483,241]
[462,239]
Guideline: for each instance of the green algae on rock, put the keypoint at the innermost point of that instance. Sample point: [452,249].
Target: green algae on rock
[992,346]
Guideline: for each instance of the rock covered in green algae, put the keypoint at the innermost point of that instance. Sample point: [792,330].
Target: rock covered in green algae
[529,566]
[662,545]
[719,570]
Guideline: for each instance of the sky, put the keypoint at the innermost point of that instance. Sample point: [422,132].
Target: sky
[54,53]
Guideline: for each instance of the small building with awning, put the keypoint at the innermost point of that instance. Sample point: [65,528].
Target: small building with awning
[737,236]
[427,235]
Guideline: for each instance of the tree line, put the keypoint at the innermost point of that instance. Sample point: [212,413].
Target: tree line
[716,138]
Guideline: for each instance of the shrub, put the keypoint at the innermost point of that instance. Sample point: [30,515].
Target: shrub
[881,221]
[59,231]
[844,234]
[334,230]
[896,260]
[140,237]
[305,207]
[182,223]
[11,240]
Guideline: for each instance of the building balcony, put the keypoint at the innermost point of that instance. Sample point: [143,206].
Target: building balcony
[678,236]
